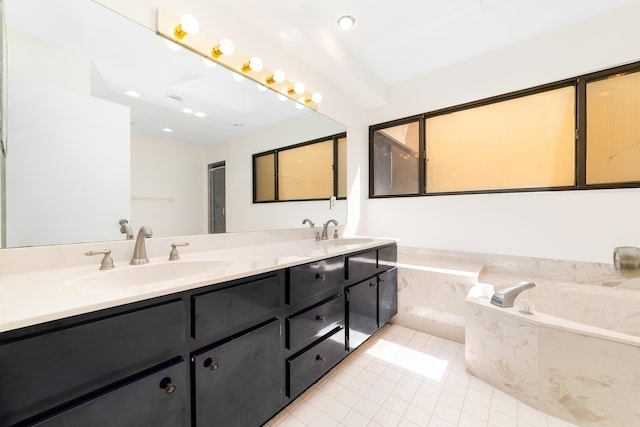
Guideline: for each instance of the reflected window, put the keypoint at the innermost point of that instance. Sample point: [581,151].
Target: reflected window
[395,156]
[311,170]
[613,129]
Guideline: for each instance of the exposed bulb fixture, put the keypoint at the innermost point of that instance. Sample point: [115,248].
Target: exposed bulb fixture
[346,22]
[298,88]
[237,77]
[188,25]
[172,45]
[208,63]
[278,76]
[255,64]
[260,87]
[132,93]
[225,47]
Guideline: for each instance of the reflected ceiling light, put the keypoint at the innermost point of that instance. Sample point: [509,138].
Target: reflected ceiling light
[255,64]
[200,114]
[187,110]
[260,87]
[132,93]
[188,25]
[300,105]
[346,22]
[168,130]
[172,45]
[282,96]
[278,76]
[298,88]
[225,47]
[208,63]
[237,77]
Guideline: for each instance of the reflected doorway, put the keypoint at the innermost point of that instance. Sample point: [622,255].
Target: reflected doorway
[217,202]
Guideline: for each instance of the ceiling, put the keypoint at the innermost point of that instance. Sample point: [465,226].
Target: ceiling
[396,41]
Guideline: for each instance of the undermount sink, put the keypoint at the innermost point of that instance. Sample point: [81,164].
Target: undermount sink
[146,274]
[346,242]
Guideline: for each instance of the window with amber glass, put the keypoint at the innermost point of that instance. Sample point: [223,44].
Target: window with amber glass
[613,129]
[524,142]
[312,170]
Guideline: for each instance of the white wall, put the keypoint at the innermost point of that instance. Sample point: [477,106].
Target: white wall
[168,187]
[578,225]
[46,204]
[242,213]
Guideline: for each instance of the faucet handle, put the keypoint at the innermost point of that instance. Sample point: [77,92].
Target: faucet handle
[107,261]
[174,255]
[335,234]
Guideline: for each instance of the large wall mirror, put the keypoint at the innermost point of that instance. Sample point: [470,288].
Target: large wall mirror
[106,122]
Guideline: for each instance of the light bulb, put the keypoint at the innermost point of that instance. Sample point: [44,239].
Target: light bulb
[260,87]
[173,46]
[346,22]
[225,47]
[208,63]
[237,77]
[278,76]
[255,64]
[316,97]
[299,88]
[281,95]
[189,25]
[299,106]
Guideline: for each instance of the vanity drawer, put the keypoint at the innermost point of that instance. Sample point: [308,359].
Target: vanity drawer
[361,266]
[307,367]
[47,370]
[310,325]
[225,312]
[309,280]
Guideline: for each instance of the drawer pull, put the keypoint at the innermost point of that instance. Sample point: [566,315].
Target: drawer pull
[167,385]
[321,276]
[320,359]
[209,363]
[321,318]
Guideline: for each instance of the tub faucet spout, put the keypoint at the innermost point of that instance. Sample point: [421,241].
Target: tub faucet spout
[507,296]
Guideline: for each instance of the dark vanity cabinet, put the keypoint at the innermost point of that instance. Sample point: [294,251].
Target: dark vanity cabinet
[231,354]
[371,292]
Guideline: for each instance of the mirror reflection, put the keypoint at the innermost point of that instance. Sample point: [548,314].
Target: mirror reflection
[108,122]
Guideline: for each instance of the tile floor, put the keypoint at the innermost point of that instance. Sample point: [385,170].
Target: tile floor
[401,377]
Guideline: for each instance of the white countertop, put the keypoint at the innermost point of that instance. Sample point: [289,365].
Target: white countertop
[35,297]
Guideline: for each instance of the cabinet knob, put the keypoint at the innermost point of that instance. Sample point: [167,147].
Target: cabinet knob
[167,385]
[373,284]
[321,318]
[209,363]
[321,276]
[320,359]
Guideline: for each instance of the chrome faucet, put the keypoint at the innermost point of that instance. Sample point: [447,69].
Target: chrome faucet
[507,296]
[306,220]
[140,250]
[324,228]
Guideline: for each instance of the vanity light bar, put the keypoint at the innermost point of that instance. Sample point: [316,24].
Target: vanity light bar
[218,52]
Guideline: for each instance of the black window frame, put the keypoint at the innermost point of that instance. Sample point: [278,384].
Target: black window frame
[335,138]
[580,84]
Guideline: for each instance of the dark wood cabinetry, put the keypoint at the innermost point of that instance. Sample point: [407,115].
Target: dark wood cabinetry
[231,354]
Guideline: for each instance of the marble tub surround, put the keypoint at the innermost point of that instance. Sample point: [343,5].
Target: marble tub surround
[76,286]
[433,285]
[583,374]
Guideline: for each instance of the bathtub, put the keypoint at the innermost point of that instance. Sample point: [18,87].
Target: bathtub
[576,357]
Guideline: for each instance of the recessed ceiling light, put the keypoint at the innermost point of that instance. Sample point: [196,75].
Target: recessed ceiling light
[168,130]
[200,114]
[346,22]
[132,93]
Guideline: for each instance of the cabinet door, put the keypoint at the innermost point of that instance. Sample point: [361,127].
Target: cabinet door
[387,296]
[362,309]
[157,399]
[240,383]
